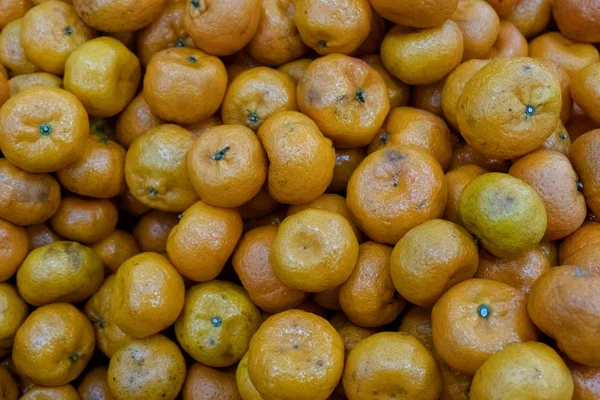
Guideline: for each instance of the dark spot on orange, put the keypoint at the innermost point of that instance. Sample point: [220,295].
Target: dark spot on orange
[394,155]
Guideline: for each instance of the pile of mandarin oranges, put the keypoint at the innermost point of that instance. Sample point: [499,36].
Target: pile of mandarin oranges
[300,199]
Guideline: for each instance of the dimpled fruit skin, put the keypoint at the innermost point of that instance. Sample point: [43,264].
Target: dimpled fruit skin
[505,213]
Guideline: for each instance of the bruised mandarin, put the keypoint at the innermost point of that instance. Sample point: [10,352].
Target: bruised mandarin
[422,56]
[516,119]
[203,240]
[391,364]
[184,85]
[395,189]
[519,272]
[314,250]
[520,370]
[300,165]
[103,74]
[155,169]
[50,32]
[43,129]
[59,272]
[221,27]
[227,165]
[217,323]
[295,355]
[368,296]
[430,259]
[147,295]
[252,264]
[462,317]
[346,98]
[14,246]
[329,32]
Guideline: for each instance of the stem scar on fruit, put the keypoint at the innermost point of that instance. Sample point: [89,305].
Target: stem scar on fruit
[45,129]
[484,310]
[529,110]
[219,155]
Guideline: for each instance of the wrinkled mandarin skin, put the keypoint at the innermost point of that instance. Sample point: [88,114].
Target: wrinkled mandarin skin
[398,91]
[295,355]
[13,10]
[227,165]
[510,42]
[94,385]
[12,55]
[328,32]
[59,272]
[520,272]
[329,202]
[528,369]
[530,16]
[430,259]
[64,392]
[184,85]
[8,386]
[407,186]
[295,69]
[416,13]
[43,129]
[456,180]
[119,15]
[53,345]
[99,172]
[464,154]
[572,56]
[505,213]
[155,169]
[255,95]
[346,98]
[411,126]
[221,27]
[300,165]
[551,175]
[147,295]
[135,120]
[85,220]
[314,250]
[152,230]
[586,160]
[454,85]
[368,296]
[577,19]
[46,41]
[26,198]
[217,323]
[26,81]
[203,240]
[277,40]
[104,75]
[564,305]
[462,336]
[244,385]
[109,337]
[206,383]
[394,363]
[586,381]
[147,369]
[255,270]
[479,25]
[115,249]
[587,234]
[585,89]
[164,32]
[14,246]
[524,111]
[41,235]
[346,161]
[428,97]
[422,56]
[15,311]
